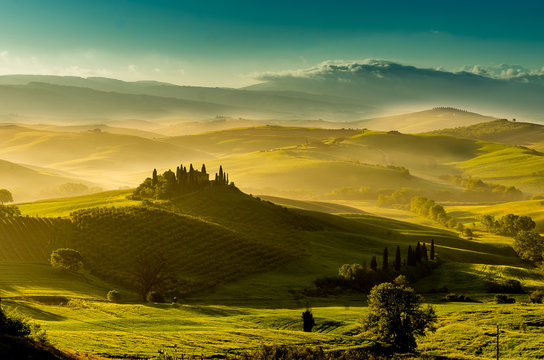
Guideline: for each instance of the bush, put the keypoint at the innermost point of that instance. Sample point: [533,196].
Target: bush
[537,296]
[114,296]
[155,297]
[66,259]
[504,299]
[457,298]
[283,352]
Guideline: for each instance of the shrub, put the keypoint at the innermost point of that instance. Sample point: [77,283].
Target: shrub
[504,299]
[155,297]
[537,296]
[401,280]
[457,298]
[114,296]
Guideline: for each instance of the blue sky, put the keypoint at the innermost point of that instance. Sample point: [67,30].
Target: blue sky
[225,43]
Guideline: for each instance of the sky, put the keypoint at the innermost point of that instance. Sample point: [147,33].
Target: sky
[229,43]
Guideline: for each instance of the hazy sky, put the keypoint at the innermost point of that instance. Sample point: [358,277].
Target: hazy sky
[227,42]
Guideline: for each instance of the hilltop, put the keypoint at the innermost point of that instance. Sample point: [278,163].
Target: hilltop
[501,131]
[261,138]
[427,120]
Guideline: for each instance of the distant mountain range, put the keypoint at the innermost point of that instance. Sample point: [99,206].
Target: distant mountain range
[329,92]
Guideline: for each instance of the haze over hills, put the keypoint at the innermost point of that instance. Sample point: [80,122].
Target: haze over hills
[96,155]
[389,85]
[27,183]
[115,98]
[343,92]
[279,160]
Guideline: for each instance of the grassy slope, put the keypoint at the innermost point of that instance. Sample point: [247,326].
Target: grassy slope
[501,131]
[425,120]
[326,207]
[532,208]
[244,140]
[25,182]
[89,154]
[64,206]
[265,307]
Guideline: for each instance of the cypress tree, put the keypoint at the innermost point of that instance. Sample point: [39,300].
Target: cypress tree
[432,249]
[397,259]
[155,178]
[410,260]
[374,263]
[418,253]
[203,169]
[424,252]
[385,261]
[227,181]
[191,169]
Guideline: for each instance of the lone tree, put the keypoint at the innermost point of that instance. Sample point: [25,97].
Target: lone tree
[66,259]
[5,196]
[149,273]
[396,317]
[307,320]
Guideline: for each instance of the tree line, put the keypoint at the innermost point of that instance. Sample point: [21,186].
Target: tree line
[528,244]
[420,259]
[184,180]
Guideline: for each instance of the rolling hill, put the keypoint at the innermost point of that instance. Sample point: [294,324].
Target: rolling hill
[96,155]
[421,121]
[221,236]
[26,182]
[501,131]
[261,138]
[248,261]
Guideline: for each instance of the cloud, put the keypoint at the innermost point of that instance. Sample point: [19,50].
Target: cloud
[502,71]
[332,68]
[346,71]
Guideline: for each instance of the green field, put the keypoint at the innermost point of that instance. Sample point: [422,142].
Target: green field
[248,307]
[64,206]
[89,324]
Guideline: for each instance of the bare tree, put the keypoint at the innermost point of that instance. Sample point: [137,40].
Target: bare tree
[149,273]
